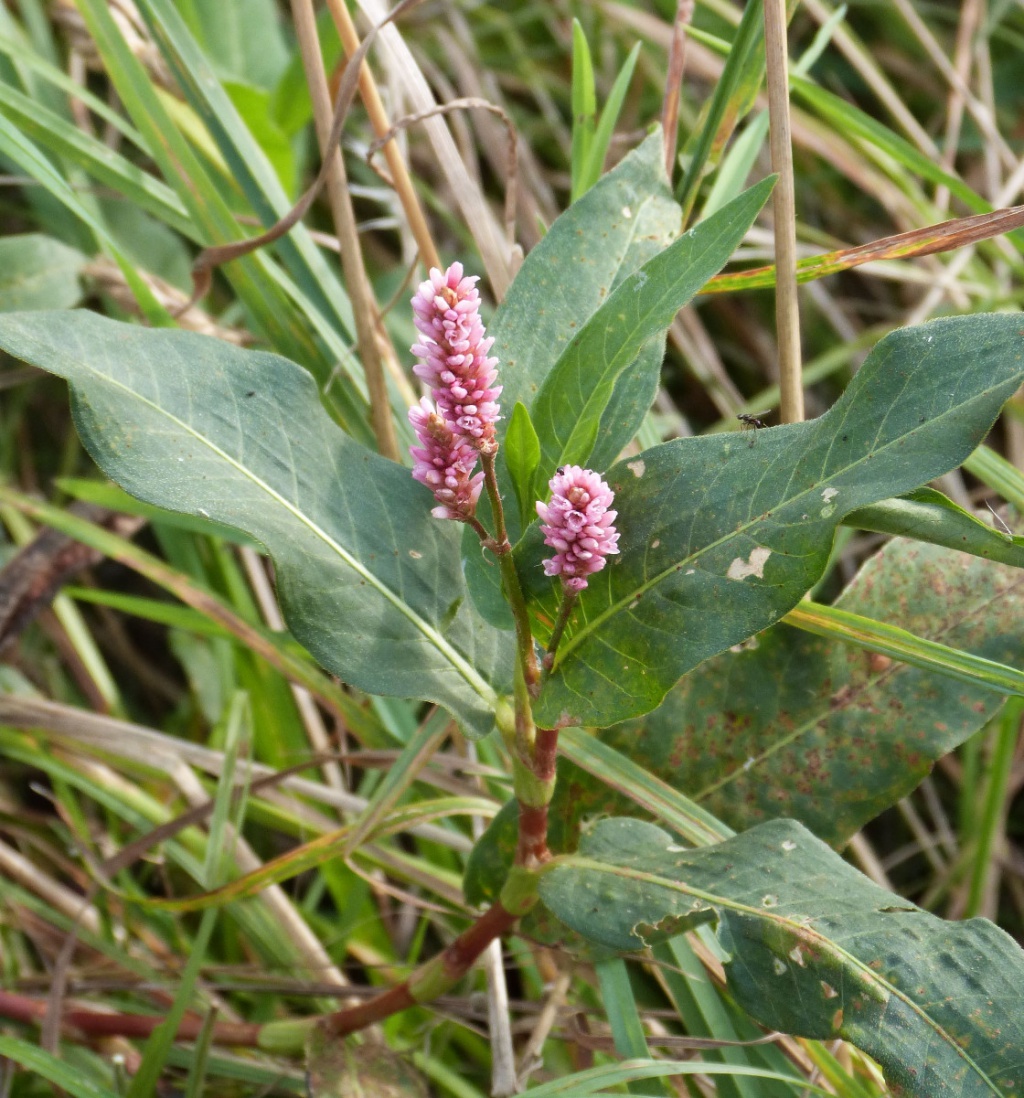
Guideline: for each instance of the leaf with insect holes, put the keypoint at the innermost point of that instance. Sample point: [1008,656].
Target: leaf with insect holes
[813,948]
[719,538]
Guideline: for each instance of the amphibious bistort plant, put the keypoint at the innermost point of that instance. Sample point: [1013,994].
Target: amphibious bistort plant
[587,616]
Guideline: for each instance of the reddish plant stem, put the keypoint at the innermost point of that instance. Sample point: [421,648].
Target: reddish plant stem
[95,1023]
[373,1010]
[532,848]
[431,979]
[545,754]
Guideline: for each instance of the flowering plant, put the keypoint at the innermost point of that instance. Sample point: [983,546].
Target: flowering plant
[541,575]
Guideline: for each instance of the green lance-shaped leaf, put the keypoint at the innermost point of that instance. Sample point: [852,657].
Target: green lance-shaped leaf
[624,220]
[721,535]
[569,410]
[617,226]
[815,948]
[821,731]
[522,453]
[369,581]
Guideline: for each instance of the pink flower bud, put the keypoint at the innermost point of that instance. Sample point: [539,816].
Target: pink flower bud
[578,525]
[444,463]
[454,353]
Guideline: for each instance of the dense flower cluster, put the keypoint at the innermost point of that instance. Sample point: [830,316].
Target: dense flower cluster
[446,310]
[458,425]
[455,364]
[444,463]
[578,525]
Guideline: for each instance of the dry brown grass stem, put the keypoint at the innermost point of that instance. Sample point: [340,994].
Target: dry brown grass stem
[66,725]
[787,311]
[385,141]
[674,80]
[364,306]
[865,66]
[466,195]
[400,179]
[14,866]
[978,110]
[970,15]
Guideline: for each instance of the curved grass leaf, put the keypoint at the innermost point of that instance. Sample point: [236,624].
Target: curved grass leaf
[721,535]
[816,948]
[48,1067]
[803,726]
[995,471]
[930,516]
[369,582]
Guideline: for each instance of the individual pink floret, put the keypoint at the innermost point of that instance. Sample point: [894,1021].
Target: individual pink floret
[446,311]
[578,525]
[444,463]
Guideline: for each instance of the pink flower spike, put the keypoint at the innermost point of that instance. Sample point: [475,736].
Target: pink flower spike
[578,526]
[444,463]
[446,311]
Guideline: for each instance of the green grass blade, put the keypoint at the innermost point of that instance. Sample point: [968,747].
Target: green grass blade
[875,137]
[95,158]
[723,110]
[624,1019]
[584,108]
[237,741]
[898,644]
[622,774]
[50,1068]
[994,805]
[995,471]
[599,1081]
[246,161]
[594,162]
[154,1056]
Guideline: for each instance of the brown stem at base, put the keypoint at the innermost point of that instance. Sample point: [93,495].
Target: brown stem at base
[375,1010]
[95,1023]
[431,979]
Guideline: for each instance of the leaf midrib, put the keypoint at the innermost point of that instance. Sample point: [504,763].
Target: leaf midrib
[574,641]
[615,365]
[466,670]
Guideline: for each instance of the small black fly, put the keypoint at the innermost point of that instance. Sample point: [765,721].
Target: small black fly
[753,420]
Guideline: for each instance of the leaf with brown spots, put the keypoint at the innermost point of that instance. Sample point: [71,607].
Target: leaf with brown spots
[824,732]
